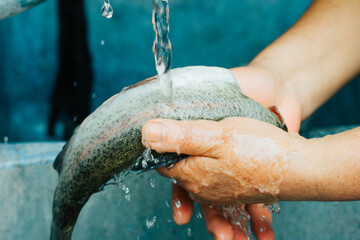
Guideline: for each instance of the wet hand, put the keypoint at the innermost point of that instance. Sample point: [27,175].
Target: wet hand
[223,167]
[273,92]
[217,225]
[236,160]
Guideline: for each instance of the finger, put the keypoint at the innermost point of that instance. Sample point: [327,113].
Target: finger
[216,224]
[182,205]
[239,234]
[199,137]
[191,172]
[261,220]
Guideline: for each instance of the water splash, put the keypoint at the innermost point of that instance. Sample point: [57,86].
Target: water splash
[238,216]
[275,207]
[188,232]
[162,46]
[107,10]
[127,197]
[173,180]
[177,203]
[150,222]
[125,189]
[152,182]
[6,139]
[119,177]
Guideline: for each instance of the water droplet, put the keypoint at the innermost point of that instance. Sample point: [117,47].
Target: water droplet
[150,222]
[152,182]
[211,206]
[138,237]
[75,84]
[198,215]
[167,204]
[119,178]
[262,229]
[170,166]
[262,218]
[276,207]
[106,10]
[75,118]
[238,216]
[125,188]
[127,197]
[93,95]
[102,42]
[6,139]
[270,208]
[177,203]
[188,232]
[173,180]
[144,164]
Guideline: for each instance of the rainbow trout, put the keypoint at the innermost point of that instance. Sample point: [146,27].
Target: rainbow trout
[109,140]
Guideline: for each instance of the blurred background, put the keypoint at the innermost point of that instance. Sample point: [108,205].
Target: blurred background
[38,85]
[62,59]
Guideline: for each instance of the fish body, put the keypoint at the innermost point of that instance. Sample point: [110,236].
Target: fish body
[109,140]
[9,8]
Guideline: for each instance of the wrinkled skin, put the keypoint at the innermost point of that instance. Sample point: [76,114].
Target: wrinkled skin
[271,93]
[237,163]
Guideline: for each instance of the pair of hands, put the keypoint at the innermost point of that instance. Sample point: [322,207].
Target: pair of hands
[230,172]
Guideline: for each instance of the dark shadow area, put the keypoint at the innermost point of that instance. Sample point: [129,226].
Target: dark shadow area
[71,95]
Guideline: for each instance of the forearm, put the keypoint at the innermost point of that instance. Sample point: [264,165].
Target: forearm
[318,55]
[324,169]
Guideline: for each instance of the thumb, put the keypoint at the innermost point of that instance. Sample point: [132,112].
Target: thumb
[199,138]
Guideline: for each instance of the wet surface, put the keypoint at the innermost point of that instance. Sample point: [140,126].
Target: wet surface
[28,180]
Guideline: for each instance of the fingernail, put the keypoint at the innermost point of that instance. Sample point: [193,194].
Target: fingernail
[155,132]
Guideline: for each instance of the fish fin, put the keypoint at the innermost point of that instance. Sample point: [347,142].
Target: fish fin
[154,78]
[58,163]
[124,89]
[274,110]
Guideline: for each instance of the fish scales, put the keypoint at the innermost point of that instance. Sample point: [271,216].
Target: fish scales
[109,140]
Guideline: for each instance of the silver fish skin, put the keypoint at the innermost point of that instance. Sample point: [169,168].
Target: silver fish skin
[109,140]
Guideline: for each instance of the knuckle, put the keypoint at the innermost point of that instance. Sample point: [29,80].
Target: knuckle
[184,135]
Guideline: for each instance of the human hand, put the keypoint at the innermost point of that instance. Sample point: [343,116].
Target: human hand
[265,86]
[218,226]
[225,168]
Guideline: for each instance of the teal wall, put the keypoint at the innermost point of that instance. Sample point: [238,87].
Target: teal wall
[225,33]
